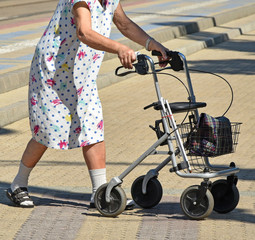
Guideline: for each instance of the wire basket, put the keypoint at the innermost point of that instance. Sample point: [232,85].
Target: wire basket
[207,143]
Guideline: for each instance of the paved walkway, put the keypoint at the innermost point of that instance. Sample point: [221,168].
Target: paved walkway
[60,185]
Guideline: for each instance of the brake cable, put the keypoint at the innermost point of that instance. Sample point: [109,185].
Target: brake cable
[230,87]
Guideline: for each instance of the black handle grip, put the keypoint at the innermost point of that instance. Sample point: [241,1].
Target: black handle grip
[175,61]
[157,53]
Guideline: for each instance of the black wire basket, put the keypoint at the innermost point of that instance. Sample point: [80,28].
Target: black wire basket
[205,142]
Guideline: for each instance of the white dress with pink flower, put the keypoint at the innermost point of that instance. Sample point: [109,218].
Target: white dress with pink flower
[64,108]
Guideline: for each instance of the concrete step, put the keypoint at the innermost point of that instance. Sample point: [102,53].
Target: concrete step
[12,79]
[13,104]
[187,45]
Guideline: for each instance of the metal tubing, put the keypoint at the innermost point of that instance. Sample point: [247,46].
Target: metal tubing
[154,77]
[208,174]
[191,91]
[151,174]
[176,133]
[163,111]
[192,95]
[113,183]
[143,156]
[164,163]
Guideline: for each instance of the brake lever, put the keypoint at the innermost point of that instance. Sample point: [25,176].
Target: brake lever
[141,67]
[150,105]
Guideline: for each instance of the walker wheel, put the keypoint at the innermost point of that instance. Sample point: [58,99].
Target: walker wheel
[226,196]
[117,203]
[195,210]
[153,194]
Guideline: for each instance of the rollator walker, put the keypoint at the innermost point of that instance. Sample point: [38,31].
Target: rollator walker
[197,201]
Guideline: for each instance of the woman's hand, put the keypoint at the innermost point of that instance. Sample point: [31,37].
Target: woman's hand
[154,45]
[126,56]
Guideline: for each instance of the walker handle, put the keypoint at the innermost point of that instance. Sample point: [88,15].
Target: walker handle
[141,67]
[175,61]
[157,53]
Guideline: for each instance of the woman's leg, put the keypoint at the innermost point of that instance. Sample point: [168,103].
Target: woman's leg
[33,153]
[30,158]
[18,193]
[95,159]
[94,156]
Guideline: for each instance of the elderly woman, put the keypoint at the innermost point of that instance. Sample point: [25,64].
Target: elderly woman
[65,110]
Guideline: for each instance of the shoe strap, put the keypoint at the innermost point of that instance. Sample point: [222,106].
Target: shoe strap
[20,195]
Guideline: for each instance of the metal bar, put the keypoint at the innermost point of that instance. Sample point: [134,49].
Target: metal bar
[192,94]
[177,136]
[143,156]
[164,163]
[207,174]
[156,83]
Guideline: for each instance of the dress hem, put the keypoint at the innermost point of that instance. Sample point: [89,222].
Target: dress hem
[68,148]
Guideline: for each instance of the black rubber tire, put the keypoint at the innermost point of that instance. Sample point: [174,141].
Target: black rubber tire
[117,204]
[153,194]
[226,196]
[193,211]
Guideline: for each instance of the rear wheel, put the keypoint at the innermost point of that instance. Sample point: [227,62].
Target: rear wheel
[226,196]
[153,194]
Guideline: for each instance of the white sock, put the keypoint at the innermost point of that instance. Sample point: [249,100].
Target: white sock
[98,177]
[21,180]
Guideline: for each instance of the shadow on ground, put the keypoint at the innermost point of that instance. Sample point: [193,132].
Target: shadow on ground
[172,210]
[7,131]
[168,208]
[50,197]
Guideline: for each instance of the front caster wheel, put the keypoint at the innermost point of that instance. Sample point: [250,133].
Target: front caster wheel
[153,194]
[192,207]
[226,196]
[117,202]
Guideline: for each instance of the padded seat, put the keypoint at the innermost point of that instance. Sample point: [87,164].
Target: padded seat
[178,107]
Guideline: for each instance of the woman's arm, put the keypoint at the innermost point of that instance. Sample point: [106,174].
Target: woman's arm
[132,31]
[97,41]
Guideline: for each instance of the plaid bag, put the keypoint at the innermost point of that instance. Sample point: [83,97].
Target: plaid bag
[213,137]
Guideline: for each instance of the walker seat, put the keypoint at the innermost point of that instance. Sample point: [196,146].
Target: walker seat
[178,107]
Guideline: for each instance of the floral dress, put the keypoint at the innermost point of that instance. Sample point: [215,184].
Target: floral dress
[64,108]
